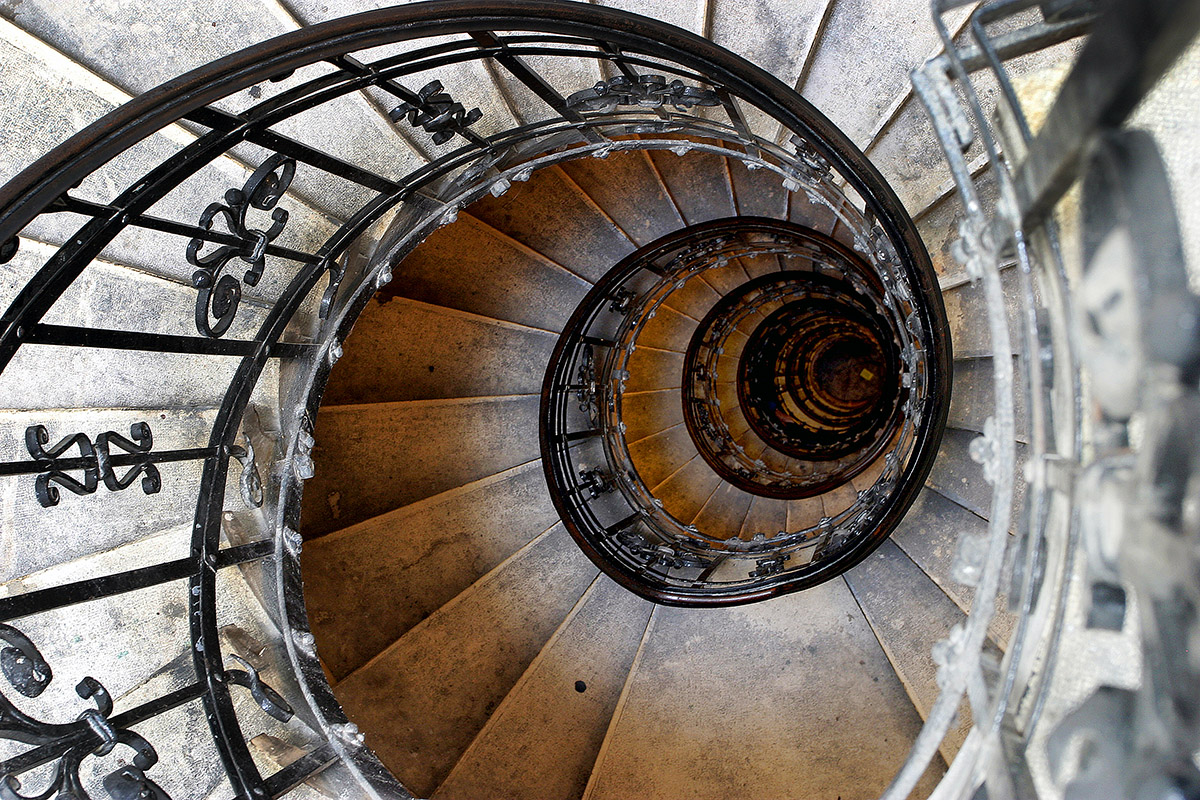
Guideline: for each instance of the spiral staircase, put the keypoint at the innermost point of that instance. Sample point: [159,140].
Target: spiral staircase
[535,400]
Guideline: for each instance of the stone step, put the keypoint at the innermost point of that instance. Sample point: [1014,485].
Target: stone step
[960,478]
[795,693]
[687,490]
[184,36]
[909,614]
[725,513]
[472,267]
[651,369]
[422,701]
[551,214]
[656,457]
[668,329]
[414,559]
[648,413]
[628,188]
[698,184]
[767,516]
[403,349]
[371,459]
[38,82]
[973,399]
[929,534]
[542,741]
[966,312]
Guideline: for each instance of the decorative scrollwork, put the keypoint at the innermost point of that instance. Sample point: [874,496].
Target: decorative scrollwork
[251,481]
[220,294]
[647,91]
[95,461]
[91,734]
[436,112]
[269,700]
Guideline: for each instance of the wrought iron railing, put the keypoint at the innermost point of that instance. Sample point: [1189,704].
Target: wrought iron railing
[218,170]
[1089,378]
[629,533]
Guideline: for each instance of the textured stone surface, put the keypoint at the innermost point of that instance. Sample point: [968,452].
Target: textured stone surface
[374,458]
[406,350]
[542,741]
[412,560]
[423,700]
[788,698]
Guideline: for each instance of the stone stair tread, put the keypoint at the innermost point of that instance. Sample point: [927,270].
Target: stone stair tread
[667,330]
[542,741]
[695,298]
[758,192]
[687,490]
[694,694]
[966,313]
[974,400]
[431,692]
[767,516]
[413,560]
[627,187]
[82,524]
[697,183]
[725,512]
[938,221]
[909,614]
[929,535]
[651,369]
[549,213]
[657,456]
[361,443]
[647,413]
[471,267]
[403,349]
[957,476]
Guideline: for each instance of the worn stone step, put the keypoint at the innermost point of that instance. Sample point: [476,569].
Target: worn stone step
[767,516]
[668,329]
[413,560]
[421,702]
[697,182]
[472,267]
[797,687]
[647,413]
[959,477]
[549,213]
[938,221]
[184,36]
[686,491]
[36,81]
[929,534]
[909,614]
[83,524]
[973,399]
[725,512]
[403,349]
[542,741]
[358,473]
[656,457]
[695,298]
[627,187]
[966,313]
[651,369]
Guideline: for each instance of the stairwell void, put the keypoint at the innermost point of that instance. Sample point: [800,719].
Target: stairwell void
[538,400]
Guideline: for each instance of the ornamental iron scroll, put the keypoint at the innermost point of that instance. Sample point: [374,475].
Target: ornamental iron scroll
[435,111]
[96,461]
[647,91]
[220,294]
[91,734]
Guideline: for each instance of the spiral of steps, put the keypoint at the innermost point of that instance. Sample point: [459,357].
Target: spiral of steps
[474,644]
[641,457]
